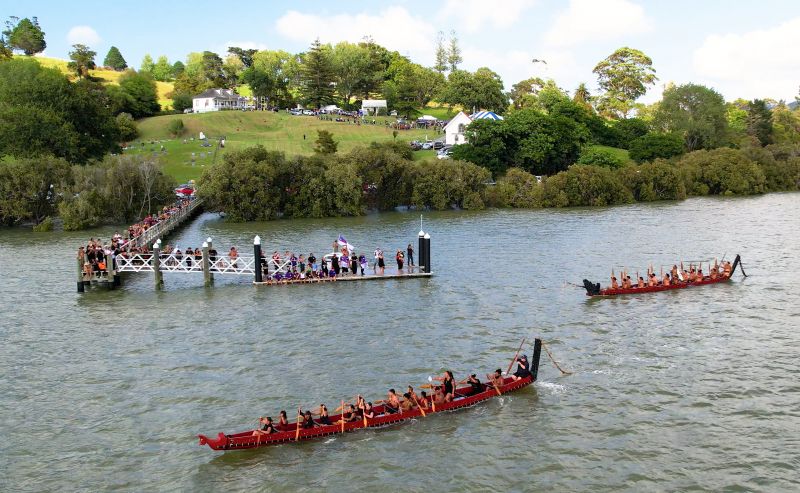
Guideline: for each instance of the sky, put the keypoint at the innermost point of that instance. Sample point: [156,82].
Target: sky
[743,49]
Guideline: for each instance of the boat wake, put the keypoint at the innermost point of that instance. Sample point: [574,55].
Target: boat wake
[553,388]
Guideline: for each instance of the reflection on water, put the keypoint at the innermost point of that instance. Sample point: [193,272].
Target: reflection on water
[671,391]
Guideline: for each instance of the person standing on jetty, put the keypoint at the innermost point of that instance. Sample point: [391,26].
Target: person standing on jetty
[400,258]
[410,253]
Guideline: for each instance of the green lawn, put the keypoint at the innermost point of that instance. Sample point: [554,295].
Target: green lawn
[275,131]
[621,153]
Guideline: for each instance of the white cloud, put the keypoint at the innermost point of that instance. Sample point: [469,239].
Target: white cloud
[474,15]
[516,65]
[393,28]
[83,35]
[755,64]
[597,20]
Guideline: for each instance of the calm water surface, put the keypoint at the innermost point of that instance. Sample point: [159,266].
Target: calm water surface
[686,390]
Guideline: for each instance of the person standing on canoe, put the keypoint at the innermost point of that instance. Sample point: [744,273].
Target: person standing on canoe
[523,368]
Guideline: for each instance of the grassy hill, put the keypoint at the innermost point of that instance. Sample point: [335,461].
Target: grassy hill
[275,131]
[107,77]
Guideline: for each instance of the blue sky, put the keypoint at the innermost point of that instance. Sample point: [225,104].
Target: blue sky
[742,49]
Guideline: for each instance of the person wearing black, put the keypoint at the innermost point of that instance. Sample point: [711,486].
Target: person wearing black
[523,368]
[410,254]
[476,384]
[335,265]
[266,428]
[264,266]
[353,263]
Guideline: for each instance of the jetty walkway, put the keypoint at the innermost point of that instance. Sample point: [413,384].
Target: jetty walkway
[141,251]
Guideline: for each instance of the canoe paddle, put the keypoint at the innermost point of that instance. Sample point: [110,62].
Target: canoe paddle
[297,433]
[433,397]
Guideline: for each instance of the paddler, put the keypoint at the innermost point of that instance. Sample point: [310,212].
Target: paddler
[640,283]
[266,427]
[523,368]
[407,404]
[282,420]
[653,281]
[423,401]
[726,269]
[674,272]
[496,378]
[392,403]
[665,280]
[614,283]
[448,382]
[476,384]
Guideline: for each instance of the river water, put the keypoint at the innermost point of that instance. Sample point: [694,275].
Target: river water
[688,390]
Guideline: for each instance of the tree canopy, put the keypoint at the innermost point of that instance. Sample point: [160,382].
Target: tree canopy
[115,60]
[318,76]
[624,76]
[25,35]
[694,112]
[82,60]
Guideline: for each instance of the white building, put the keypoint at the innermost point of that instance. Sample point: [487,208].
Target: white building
[217,99]
[454,131]
[374,105]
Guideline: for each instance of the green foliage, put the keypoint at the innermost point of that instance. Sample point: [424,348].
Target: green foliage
[601,157]
[628,130]
[318,76]
[177,68]
[119,189]
[785,125]
[583,185]
[536,93]
[780,164]
[115,60]
[162,70]
[25,34]
[127,127]
[538,143]
[138,94]
[449,183]
[481,90]
[440,64]
[82,60]
[181,101]
[5,50]
[655,145]
[696,113]
[454,52]
[658,180]
[30,188]
[625,76]
[325,143]
[147,65]
[41,112]
[244,55]
[175,127]
[44,226]
[759,122]
[721,172]
[213,71]
[388,172]
[518,189]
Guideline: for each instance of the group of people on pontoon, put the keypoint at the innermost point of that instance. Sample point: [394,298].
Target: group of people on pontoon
[361,410]
[674,276]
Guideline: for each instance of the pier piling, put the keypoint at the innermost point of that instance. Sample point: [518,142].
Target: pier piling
[427,241]
[80,275]
[208,277]
[257,267]
[421,260]
[159,277]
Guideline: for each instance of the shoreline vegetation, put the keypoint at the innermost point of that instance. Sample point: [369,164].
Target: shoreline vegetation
[74,138]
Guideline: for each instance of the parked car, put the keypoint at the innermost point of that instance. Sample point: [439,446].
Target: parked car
[438,145]
[296,112]
[415,145]
[444,154]
[308,112]
[427,145]
[187,110]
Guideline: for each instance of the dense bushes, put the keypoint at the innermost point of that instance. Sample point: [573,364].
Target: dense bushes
[583,185]
[120,189]
[721,171]
[653,146]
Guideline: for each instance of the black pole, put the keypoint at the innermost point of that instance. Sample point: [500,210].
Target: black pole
[537,353]
[427,253]
[80,286]
[257,263]
[421,260]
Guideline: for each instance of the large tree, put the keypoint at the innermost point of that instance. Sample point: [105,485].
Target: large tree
[440,64]
[481,90]
[244,55]
[694,112]
[5,50]
[82,60]
[139,94]
[115,60]
[147,64]
[624,76]
[162,70]
[318,77]
[213,70]
[350,64]
[42,112]
[25,35]
[759,122]
[454,52]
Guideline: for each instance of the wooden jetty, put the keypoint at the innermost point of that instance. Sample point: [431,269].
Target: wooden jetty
[210,263]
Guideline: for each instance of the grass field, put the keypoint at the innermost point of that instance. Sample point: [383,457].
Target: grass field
[106,77]
[275,131]
[621,153]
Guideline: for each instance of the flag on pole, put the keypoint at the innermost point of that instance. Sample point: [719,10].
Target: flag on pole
[343,243]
